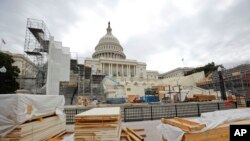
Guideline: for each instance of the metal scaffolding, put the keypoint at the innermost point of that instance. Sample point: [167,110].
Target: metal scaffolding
[36,47]
[236,81]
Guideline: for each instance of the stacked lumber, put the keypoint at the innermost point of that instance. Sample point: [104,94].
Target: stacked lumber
[133,98]
[39,129]
[185,125]
[129,134]
[220,133]
[201,97]
[98,124]
[83,100]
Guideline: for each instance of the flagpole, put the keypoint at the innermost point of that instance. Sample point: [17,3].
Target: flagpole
[183,66]
[1,46]
[2,43]
[183,62]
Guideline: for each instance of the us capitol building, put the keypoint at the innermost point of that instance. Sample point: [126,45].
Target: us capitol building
[110,60]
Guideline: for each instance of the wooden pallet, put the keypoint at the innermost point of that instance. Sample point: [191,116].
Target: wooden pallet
[39,129]
[98,124]
[185,125]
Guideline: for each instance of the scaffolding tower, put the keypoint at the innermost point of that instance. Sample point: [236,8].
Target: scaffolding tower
[36,47]
[96,87]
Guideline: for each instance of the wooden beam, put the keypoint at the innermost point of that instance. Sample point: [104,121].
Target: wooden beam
[184,124]
[131,135]
[137,135]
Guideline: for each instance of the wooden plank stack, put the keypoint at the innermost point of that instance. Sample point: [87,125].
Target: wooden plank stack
[220,133]
[40,129]
[185,125]
[98,124]
[201,97]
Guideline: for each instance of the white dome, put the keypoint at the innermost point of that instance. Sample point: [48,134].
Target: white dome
[109,38]
[109,47]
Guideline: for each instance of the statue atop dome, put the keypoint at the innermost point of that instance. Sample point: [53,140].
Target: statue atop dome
[109,29]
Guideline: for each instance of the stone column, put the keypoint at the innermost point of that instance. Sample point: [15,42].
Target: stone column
[122,71]
[111,65]
[135,70]
[129,71]
[117,70]
[102,68]
[109,69]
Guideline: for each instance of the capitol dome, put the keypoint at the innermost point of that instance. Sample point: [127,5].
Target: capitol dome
[109,47]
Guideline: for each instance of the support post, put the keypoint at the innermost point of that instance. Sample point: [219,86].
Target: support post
[198,106]
[176,114]
[222,87]
[151,112]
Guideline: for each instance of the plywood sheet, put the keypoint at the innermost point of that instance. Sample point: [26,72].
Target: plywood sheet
[107,111]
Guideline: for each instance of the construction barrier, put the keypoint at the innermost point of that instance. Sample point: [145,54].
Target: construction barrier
[153,112]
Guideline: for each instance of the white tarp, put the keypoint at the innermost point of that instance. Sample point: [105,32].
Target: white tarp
[15,109]
[58,66]
[211,119]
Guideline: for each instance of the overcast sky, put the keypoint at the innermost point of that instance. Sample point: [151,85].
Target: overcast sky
[158,32]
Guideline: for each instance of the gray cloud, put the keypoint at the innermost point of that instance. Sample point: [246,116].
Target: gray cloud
[210,35]
[210,30]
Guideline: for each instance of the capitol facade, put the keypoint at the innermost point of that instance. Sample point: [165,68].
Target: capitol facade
[110,60]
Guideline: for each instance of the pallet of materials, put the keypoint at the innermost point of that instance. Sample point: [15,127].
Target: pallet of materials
[40,129]
[17,109]
[98,124]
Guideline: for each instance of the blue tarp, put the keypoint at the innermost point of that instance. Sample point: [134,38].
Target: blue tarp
[149,98]
[116,100]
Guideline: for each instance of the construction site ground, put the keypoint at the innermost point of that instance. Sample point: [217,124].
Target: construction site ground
[149,126]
